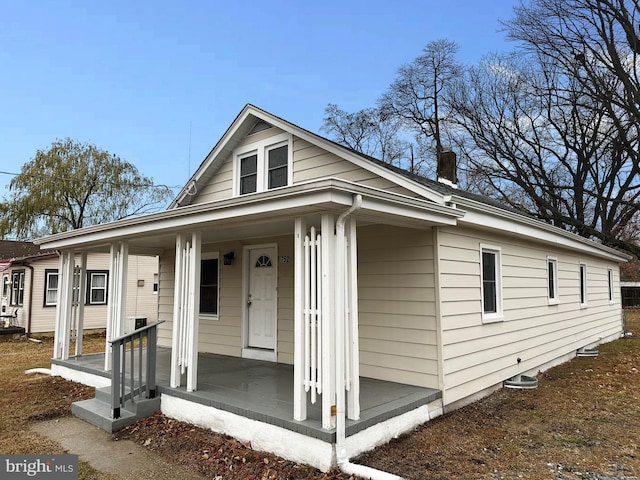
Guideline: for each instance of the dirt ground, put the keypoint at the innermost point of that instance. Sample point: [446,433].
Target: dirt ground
[582,422]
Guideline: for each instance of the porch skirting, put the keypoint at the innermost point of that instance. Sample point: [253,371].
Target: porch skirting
[289,444]
[252,401]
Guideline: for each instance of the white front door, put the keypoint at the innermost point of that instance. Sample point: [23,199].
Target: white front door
[262,298]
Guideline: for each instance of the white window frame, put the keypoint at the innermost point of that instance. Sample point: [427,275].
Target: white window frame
[498,315]
[261,148]
[612,297]
[47,288]
[552,293]
[156,283]
[211,256]
[582,285]
[91,288]
[17,294]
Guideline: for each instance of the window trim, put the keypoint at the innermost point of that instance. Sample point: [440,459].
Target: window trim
[583,295]
[498,315]
[261,148]
[552,299]
[18,299]
[156,283]
[612,297]
[210,256]
[48,273]
[89,287]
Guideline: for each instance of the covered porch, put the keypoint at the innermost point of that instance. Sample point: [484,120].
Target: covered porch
[263,391]
[303,393]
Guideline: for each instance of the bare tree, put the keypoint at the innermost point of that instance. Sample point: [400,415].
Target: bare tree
[369,131]
[542,144]
[417,93]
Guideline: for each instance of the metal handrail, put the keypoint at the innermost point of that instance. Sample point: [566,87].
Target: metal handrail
[146,379]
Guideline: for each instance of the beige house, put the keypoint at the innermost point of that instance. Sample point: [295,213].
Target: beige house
[30,284]
[373,299]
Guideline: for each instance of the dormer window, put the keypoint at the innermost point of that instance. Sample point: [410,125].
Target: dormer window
[263,165]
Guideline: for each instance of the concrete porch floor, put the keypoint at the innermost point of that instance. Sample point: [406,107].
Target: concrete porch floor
[263,391]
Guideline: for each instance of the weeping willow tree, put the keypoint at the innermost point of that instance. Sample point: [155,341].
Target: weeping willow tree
[73,185]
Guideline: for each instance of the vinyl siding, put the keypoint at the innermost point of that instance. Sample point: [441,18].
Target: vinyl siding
[310,162]
[141,301]
[479,355]
[397,326]
[223,335]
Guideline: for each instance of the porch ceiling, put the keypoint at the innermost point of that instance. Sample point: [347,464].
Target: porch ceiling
[259,215]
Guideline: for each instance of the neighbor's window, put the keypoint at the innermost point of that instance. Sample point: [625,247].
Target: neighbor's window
[491,283]
[552,279]
[583,284]
[51,281]
[263,165]
[209,286]
[97,291]
[156,278]
[610,282]
[17,288]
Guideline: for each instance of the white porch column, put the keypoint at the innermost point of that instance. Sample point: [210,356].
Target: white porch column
[117,296]
[351,336]
[299,395]
[64,306]
[186,306]
[194,311]
[79,301]
[328,321]
[176,338]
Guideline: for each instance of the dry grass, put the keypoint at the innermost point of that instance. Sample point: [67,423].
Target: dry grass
[583,422]
[30,398]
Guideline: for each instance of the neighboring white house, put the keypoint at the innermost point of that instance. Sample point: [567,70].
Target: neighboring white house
[286,247]
[30,288]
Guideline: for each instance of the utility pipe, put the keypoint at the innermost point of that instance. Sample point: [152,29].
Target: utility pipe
[341,452]
[30,309]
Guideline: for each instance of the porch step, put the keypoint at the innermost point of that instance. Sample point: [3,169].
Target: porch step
[97,411]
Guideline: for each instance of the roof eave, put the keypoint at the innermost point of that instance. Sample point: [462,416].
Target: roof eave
[572,240]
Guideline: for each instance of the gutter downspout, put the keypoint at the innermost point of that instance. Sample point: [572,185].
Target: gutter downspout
[341,453]
[30,309]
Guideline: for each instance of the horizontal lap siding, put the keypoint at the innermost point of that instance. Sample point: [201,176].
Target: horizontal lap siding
[285,298]
[311,162]
[221,185]
[224,334]
[477,356]
[43,319]
[220,335]
[397,328]
[140,302]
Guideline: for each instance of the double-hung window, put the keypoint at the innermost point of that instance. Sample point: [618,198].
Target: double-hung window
[209,276]
[610,284]
[17,288]
[491,273]
[263,165]
[51,287]
[97,287]
[552,280]
[583,284]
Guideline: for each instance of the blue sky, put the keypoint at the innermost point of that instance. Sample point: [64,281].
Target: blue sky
[159,82]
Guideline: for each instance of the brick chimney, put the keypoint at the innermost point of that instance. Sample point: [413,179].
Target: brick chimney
[446,170]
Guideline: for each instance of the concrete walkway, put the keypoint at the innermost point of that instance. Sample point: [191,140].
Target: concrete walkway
[123,459]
